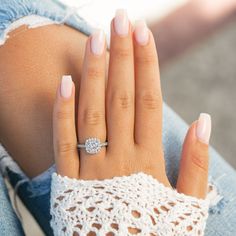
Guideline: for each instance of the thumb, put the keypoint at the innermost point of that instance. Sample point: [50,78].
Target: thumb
[193,175]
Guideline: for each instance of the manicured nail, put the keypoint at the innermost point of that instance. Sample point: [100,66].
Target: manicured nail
[141,32]
[66,86]
[98,42]
[121,22]
[203,131]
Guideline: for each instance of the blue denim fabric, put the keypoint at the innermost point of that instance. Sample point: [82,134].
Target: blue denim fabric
[9,223]
[13,10]
[35,193]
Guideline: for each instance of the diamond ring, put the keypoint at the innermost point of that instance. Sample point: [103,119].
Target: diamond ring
[92,145]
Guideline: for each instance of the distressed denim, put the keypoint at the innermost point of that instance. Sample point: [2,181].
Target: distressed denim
[9,223]
[35,193]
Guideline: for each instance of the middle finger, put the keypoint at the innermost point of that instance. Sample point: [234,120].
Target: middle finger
[120,86]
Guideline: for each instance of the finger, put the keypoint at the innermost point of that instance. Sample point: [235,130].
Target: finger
[120,85]
[148,97]
[64,131]
[193,175]
[91,111]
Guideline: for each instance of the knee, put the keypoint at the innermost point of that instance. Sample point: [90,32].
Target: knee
[41,55]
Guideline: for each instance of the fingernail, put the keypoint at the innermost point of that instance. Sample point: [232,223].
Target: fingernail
[203,131]
[121,22]
[141,32]
[98,42]
[66,86]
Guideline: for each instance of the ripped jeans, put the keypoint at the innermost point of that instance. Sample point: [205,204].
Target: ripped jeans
[35,193]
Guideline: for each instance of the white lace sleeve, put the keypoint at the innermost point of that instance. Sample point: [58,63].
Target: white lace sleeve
[119,205]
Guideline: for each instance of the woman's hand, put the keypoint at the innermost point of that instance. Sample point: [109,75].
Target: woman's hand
[126,111]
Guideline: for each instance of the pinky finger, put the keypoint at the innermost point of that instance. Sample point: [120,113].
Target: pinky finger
[64,131]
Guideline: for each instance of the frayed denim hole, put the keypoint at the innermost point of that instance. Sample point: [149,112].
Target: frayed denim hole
[215,196]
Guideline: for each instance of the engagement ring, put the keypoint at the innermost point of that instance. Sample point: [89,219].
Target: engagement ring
[92,145]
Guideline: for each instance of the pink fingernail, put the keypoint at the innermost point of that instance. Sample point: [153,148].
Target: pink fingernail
[66,86]
[141,32]
[121,22]
[98,42]
[203,131]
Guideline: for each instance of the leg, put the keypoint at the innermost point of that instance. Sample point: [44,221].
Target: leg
[9,223]
[30,68]
[36,54]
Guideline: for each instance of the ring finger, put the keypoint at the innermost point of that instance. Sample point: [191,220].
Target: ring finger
[91,110]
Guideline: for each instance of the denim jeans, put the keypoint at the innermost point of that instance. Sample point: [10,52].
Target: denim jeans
[9,223]
[35,193]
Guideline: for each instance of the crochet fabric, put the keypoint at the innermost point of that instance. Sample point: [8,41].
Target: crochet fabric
[129,205]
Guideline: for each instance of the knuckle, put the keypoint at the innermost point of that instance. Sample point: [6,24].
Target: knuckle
[95,73]
[148,165]
[200,161]
[125,166]
[92,117]
[122,53]
[148,59]
[150,100]
[123,100]
[65,147]
[64,114]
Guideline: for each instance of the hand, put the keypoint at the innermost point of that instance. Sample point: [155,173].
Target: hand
[127,111]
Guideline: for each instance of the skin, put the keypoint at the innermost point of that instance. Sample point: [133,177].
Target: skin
[128,112]
[28,89]
[31,103]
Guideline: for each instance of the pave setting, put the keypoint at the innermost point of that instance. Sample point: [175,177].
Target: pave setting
[92,145]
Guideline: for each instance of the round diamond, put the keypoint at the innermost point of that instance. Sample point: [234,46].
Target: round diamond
[92,145]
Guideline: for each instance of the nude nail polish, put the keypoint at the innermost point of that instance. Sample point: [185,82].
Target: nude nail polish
[203,130]
[141,32]
[66,86]
[121,22]
[98,42]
